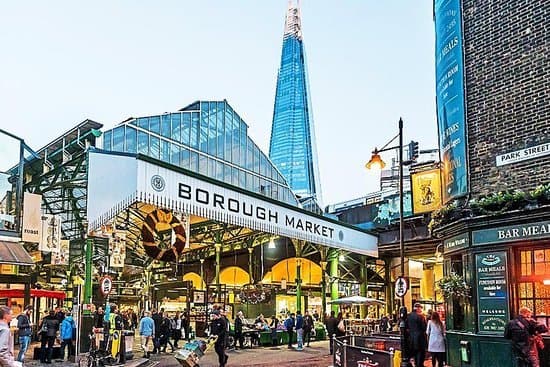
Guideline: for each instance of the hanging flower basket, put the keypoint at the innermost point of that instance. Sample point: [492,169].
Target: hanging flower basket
[454,286]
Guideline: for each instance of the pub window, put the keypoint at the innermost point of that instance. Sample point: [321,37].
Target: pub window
[534,282]
[455,316]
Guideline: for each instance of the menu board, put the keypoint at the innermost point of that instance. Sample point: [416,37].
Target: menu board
[492,292]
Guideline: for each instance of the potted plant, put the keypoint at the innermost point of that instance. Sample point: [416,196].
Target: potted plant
[454,286]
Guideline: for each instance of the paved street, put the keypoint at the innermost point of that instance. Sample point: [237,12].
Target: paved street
[316,355]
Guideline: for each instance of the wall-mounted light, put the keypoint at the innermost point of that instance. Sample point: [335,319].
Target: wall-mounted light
[341,257]
[271,244]
[546,282]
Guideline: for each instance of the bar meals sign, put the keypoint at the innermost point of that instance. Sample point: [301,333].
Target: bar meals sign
[523,154]
[517,232]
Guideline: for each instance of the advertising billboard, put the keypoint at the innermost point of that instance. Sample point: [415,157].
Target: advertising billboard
[451,118]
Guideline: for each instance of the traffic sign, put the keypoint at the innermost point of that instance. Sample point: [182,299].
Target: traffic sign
[106,285]
[401,286]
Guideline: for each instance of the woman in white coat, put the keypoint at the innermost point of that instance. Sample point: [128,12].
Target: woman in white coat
[436,340]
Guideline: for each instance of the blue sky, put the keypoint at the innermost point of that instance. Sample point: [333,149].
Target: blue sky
[369,63]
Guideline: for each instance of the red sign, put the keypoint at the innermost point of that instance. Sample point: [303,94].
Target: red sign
[106,285]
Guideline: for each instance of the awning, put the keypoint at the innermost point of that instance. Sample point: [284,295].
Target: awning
[14,253]
[20,293]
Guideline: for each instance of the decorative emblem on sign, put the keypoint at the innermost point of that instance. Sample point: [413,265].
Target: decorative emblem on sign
[490,260]
[163,235]
[401,286]
[106,285]
[341,236]
[157,183]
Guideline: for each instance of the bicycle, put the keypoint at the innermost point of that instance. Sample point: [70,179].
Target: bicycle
[95,357]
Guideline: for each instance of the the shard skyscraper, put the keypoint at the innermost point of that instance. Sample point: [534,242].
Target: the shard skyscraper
[292,146]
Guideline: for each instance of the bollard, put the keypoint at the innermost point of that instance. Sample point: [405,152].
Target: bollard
[122,347]
[345,354]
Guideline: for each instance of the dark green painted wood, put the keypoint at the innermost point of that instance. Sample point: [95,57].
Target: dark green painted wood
[487,351]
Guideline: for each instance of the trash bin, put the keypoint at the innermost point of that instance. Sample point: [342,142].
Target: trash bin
[129,343]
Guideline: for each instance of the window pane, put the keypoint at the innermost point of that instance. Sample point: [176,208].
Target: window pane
[212,130]
[107,143]
[228,127]
[211,168]
[131,140]
[234,176]
[219,170]
[154,124]
[185,128]
[175,154]
[203,136]
[194,162]
[176,127]
[165,152]
[143,143]
[227,173]
[203,164]
[118,139]
[143,123]
[194,139]
[165,128]
[185,158]
[154,150]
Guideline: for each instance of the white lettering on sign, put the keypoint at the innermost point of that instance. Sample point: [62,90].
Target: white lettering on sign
[523,154]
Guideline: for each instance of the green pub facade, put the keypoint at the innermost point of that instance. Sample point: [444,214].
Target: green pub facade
[492,112]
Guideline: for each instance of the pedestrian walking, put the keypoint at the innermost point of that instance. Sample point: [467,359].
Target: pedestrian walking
[146,332]
[299,330]
[308,327]
[289,327]
[436,339]
[176,331]
[186,324]
[165,332]
[416,324]
[331,324]
[537,343]
[239,337]
[218,327]
[157,319]
[340,325]
[6,339]
[66,334]
[24,331]
[48,331]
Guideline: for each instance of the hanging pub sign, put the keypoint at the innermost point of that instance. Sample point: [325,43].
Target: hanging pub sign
[106,285]
[117,249]
[32,225]
[426,191]
[51,234]
[492,292]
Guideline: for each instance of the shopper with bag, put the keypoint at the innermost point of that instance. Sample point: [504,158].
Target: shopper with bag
[341,328]
[48,331]
[436,339]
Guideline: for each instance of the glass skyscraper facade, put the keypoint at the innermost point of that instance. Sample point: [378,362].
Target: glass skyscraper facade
[292,146]
[207,137]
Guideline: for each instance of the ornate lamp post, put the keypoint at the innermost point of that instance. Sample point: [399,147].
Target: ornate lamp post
[377,162]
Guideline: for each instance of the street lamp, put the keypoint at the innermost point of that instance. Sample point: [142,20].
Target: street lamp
[377,162]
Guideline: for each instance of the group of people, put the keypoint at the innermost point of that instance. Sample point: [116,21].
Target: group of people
[525,334]
[303,325]
[56,324]
[163,330]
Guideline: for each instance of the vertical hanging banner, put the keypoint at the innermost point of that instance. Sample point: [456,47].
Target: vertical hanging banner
[61,257]
[51,234]
[449,69]
[117,247]
[32,217]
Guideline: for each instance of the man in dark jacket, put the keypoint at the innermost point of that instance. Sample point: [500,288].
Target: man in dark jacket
[239,330]
[157,319]
[332,327]
[48,331]
[308,327]
[520,330]
[289,326]
[416,324]
[219,328]
[24,331]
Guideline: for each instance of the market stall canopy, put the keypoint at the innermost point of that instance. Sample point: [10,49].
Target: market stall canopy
[14,253]
[20,293]
[117,181]
[357,300]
